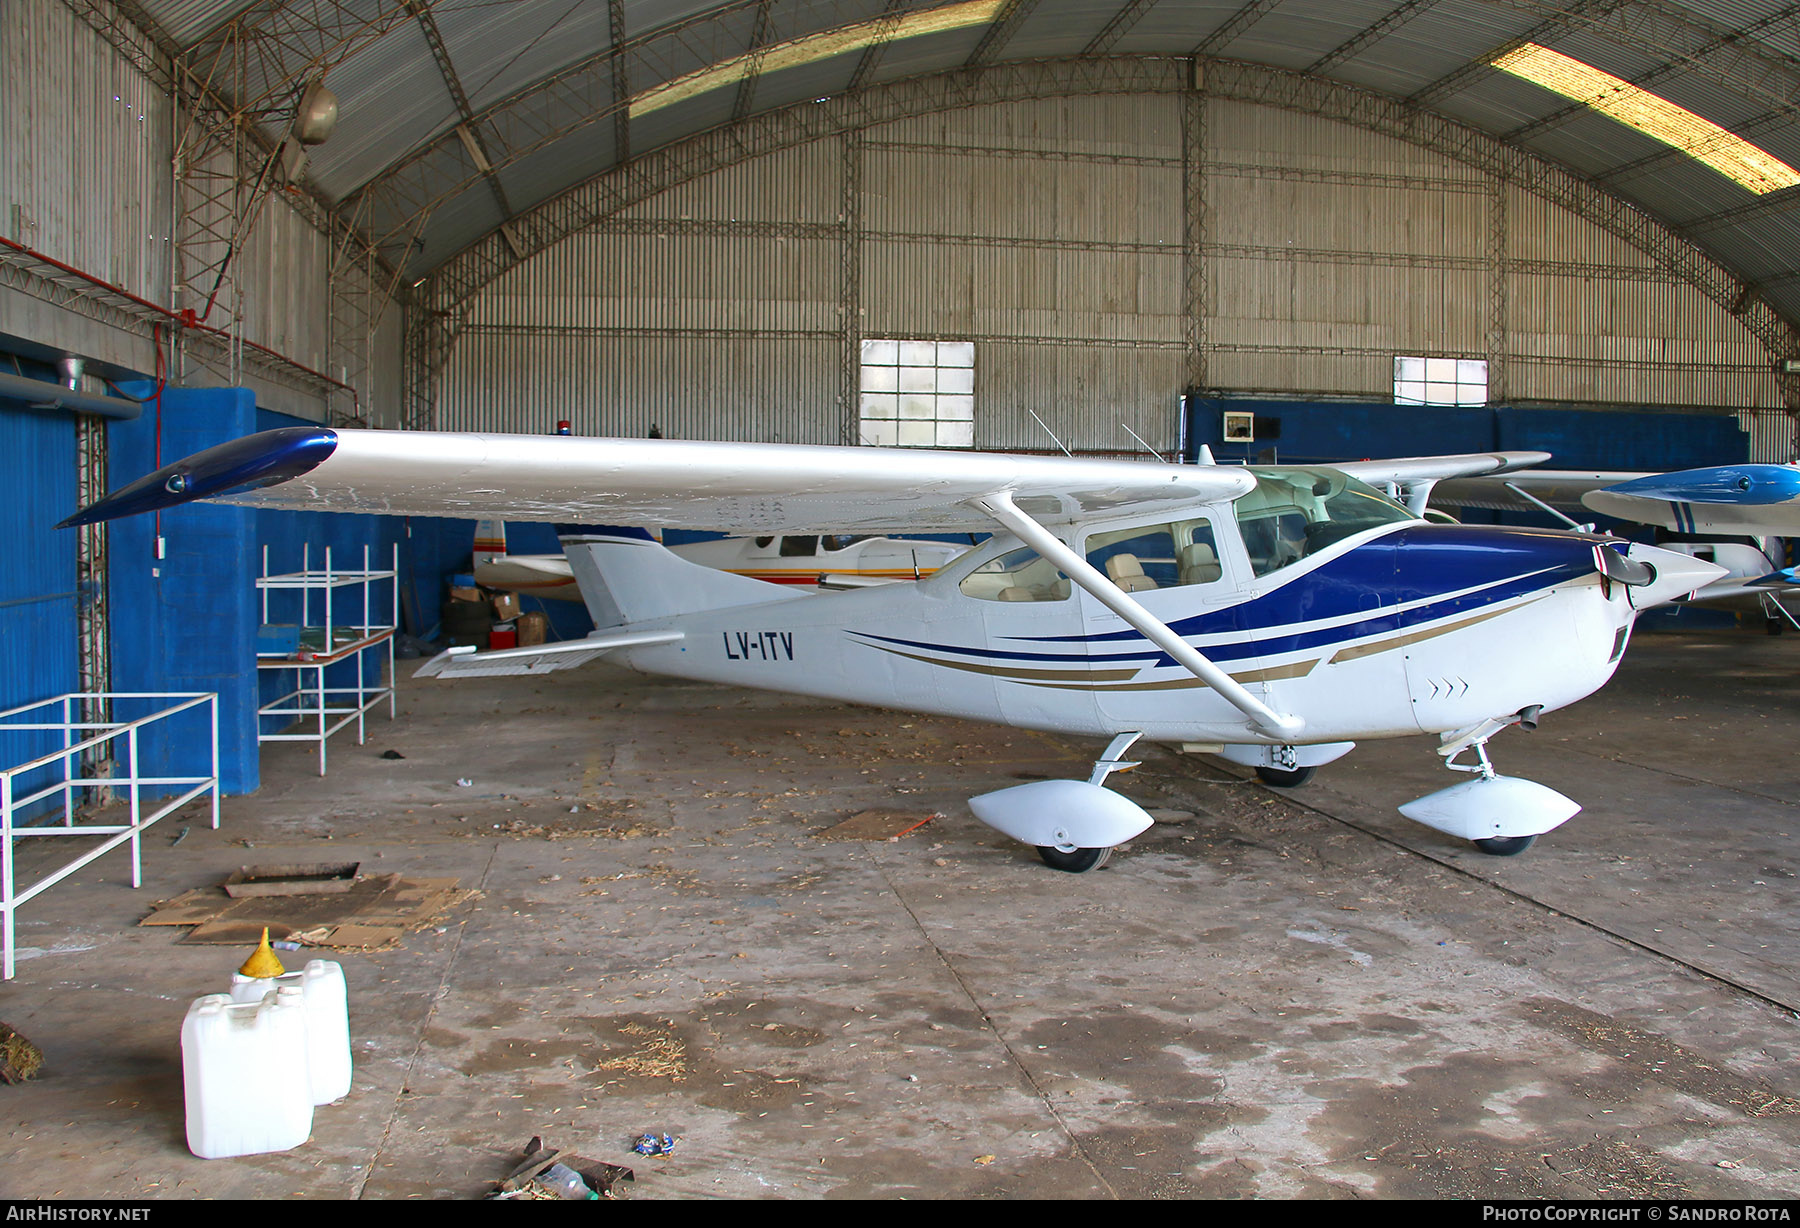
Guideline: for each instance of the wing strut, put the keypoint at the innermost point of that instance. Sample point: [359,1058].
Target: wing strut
[1001,507]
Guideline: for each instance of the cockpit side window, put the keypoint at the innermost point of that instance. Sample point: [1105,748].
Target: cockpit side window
[1017,575]
[1294,513]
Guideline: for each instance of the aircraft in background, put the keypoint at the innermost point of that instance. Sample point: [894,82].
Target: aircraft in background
[1273,615]
[1736,516]
[811,561]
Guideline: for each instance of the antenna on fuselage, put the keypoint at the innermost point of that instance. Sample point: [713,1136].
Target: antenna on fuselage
[1155,455]
[1052,434]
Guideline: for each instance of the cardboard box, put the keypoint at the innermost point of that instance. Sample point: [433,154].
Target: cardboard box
[506,606]
[459,593]
[534,629]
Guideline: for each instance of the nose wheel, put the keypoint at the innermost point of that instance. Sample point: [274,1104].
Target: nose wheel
[1501,816]
[1285,778]
[1073,861]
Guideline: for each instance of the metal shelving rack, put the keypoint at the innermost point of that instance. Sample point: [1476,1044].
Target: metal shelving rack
[329,708]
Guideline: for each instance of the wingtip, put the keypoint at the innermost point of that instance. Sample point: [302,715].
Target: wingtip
[263,459]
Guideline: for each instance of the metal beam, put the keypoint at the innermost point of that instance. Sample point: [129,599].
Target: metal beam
[1011,16]
[870,59]
[621,80]
[1221,38]
[1360,43]
[469,130]
[759,39]
[1196,230]
[1118,26]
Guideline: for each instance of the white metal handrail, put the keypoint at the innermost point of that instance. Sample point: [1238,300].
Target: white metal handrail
[70,757]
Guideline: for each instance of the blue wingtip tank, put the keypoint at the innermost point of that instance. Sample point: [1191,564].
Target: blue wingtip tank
[1747,485]
[264,459]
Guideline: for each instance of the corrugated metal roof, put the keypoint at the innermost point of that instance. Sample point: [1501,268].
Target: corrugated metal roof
[537,74]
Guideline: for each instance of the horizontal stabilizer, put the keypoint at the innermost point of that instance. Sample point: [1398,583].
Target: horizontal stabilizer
[465,662]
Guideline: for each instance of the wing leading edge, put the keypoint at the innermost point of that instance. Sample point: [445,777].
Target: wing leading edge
[730,487]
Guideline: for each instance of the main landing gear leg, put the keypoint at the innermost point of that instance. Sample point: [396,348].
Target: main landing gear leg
[1069,857]
[1284,773]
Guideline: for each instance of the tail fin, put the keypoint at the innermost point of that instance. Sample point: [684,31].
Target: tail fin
[490,540]
[627,578]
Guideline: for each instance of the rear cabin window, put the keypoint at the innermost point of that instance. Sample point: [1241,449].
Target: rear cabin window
[1017,575]
[1156,556]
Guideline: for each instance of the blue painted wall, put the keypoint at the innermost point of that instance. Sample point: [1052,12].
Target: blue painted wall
[1314,432]
[37,583]
[188,621]
[183,622]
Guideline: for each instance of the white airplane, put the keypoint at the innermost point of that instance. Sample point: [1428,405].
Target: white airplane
[1736,516]
[810,561]
[1272,615]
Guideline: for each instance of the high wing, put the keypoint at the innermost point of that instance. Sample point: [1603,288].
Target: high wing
[1743,500]
[657,483]
[728,487]
[1562,489]
[1407,470]
[1412,479]
[1746,499]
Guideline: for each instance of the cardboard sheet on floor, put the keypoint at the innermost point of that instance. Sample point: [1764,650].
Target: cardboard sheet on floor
[372,914]
[877,825]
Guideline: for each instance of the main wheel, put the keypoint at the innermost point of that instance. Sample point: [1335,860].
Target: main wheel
[1505,846]
[1074,861]
[1285,778]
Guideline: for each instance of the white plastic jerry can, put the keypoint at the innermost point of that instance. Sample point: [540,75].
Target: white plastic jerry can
[327,1021]
[243,1066]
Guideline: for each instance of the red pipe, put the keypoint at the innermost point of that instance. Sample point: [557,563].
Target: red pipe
[181,319]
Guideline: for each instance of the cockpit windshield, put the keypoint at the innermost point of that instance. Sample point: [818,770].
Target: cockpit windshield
[1294,513]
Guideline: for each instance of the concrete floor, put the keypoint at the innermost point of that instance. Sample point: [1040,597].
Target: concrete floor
[1276,995]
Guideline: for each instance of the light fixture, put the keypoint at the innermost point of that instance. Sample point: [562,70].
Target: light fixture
[810,48]
[1655,116]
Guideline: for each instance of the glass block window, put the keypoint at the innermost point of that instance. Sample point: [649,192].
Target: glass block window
[918,394]
[1440,381]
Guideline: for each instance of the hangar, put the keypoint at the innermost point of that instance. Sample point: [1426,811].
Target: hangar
[1341,230]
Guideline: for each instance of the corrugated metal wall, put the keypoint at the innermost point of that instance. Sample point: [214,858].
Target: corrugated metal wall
[276,287]
[85,163]
[1052,233]
[87,176]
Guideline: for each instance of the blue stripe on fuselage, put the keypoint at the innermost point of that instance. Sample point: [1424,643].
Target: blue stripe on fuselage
[1439,571]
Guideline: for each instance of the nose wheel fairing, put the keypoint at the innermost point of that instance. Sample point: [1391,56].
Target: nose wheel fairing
[1493,808]
[1502,815]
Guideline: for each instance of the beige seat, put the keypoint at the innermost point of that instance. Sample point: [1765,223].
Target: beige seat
[1125,571]
[1199,565]
[1017,593]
